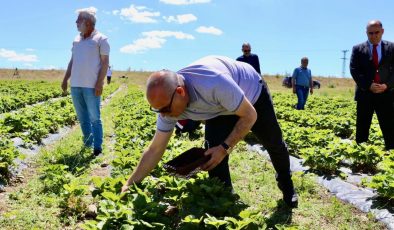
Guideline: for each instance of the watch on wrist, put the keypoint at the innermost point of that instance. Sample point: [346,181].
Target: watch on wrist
[225,146]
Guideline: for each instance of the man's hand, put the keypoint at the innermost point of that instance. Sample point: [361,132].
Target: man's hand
[247,117]
[67,76]
[294,90]
[311,90]
[381,88]
[64,86]
[98,89]
[218,153]
[374,87]
[125,188]
[150,158]
[378,88]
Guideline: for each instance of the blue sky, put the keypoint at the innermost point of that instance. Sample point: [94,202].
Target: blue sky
[157,34]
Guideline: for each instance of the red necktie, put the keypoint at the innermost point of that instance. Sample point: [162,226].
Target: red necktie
[375,59]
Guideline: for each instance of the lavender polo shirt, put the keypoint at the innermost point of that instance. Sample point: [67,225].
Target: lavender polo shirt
[86,62]
[216,86]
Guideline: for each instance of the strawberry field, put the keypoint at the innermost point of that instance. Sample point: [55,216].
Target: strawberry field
[69,190]
[324,136]
[32,123]
[18,94]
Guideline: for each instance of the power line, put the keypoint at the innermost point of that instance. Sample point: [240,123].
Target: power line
[344,62]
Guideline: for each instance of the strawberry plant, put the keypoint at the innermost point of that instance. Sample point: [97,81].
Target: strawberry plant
[54,177]
[74,201]
[384,185]
[7,154]
[364,157]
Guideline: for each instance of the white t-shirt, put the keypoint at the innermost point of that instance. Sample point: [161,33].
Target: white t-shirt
[109,72]
[86,62]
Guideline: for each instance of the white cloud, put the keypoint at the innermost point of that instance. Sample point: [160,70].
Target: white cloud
[137,14]
[153,40]
[30,49]
[209,30]
[143,44]
[181,19]
[184,2]
[166,33]
[11,55]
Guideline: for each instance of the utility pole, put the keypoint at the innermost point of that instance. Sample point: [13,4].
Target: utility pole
[344,62]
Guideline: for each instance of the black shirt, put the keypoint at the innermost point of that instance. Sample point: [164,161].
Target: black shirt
[252,60]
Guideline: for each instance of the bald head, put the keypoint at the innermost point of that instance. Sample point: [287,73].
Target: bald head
[375,31]
[166,91]
[163,80]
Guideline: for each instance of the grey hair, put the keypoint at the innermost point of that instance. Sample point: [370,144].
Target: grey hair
[246,44]
[88,13]
[375,23]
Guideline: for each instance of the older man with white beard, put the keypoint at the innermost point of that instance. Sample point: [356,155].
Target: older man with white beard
[87,70]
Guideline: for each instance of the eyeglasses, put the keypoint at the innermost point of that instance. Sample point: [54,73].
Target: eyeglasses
[166,109]
[372,33]
[246,51]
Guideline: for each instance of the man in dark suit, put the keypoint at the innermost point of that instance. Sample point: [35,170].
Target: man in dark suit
[250,58]
[372,68]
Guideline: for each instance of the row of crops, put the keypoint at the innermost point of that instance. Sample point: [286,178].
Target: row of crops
[33,123]
[15,94]
[323,135]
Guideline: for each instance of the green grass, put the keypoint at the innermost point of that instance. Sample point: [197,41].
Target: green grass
[32,208]
[254,180]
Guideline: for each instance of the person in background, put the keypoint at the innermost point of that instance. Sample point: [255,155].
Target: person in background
[302,83]
[372,68]
[250,58]
[16,73]
[86,71]
[109,75]
[232,99]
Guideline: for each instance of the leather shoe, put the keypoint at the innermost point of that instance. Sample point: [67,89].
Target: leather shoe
[97,152]
[290,196]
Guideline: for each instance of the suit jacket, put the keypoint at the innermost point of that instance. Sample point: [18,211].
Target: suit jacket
[252,60]
[363,69]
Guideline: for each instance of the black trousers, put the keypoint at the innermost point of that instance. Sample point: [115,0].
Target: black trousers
[383,105]
[266,129]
